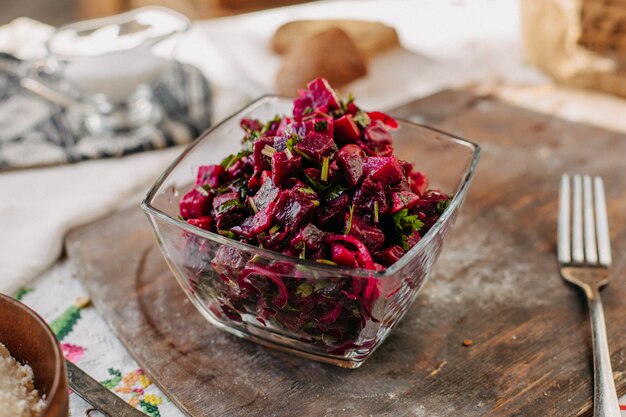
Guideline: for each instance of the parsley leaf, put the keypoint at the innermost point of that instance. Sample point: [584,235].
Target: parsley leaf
[405,225]
[443,205]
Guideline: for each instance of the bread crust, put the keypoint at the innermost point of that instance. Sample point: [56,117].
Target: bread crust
[330,54]
[369,37]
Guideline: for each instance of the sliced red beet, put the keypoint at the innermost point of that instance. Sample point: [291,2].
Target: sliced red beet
[384,169]
[346,130]
[310,237]
[363,256]
[195,203]
[370,197]
[350,162]
[402,199]
[316,146]
[341,255]
[323,94]
[370,235]
[292,209]
[390,255]
[419,182]
[251,125]
[376,134]
[266,193]
[210,175]
[331,216]
[387,120]
[203,222]
[284,167]
[261,159]
[323,125]
[256,224]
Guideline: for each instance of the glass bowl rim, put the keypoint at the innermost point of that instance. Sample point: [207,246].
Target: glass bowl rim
[392,270]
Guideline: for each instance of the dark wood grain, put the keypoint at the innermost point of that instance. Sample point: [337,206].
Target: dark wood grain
[495,283]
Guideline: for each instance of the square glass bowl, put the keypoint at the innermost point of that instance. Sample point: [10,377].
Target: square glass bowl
[328,313]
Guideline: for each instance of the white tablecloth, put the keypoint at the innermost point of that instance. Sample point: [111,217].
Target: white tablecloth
[447,44]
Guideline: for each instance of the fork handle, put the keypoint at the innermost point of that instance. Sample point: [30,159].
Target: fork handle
[604,395]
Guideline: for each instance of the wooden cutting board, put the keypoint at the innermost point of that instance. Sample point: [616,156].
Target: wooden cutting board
[496,283]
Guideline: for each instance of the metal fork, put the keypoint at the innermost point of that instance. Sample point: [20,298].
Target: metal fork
[584,253]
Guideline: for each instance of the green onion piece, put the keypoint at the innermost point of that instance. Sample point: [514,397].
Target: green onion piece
[288,153]
[274,229]
[324,173]
[315,203]
[251,202]
[349,225]
[302,154]
[303,253]
[375,211]
[326,261]
[268,151]
[202,190]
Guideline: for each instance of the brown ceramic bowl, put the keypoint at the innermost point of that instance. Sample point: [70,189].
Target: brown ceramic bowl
[30,341]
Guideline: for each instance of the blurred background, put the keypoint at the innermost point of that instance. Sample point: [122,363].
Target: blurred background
[58,12]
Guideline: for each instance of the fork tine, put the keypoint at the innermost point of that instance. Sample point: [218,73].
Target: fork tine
[577,222]
[591,252]
[602,223]
[563,241]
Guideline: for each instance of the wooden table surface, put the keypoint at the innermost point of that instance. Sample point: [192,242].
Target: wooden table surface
[495,283]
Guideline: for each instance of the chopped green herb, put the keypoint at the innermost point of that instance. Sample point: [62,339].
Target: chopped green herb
[349,225]
[302,154]
[224,207]
[202,190]
[252,205]
[292,141]
[268,151]
[333,192]
[288,153]
[274,229]
[405,225]
[307,190]
[375,211]
[269,124]
[443,205]
[362,119]
[230,160]
[320,126]
[325,261]
[307,110]
[324,172]
[227,233]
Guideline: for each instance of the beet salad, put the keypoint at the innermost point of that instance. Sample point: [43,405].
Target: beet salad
[322,184]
